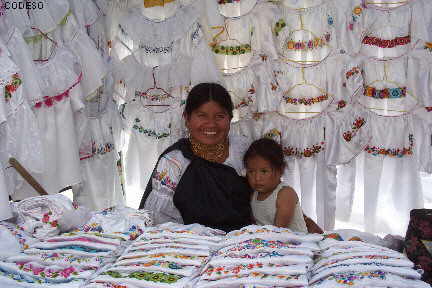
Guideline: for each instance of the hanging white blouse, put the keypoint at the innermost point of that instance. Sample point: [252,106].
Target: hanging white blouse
[423,130]
[397,86]
[305,36]
[60,82]
[304,92]
[100,188]
[20,135]
[387,31]
[67,32]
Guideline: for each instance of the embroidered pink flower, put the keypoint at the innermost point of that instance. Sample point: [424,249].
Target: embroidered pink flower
[54,223]
[37,270]
[66,272]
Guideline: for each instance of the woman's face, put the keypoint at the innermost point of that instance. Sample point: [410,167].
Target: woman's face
[209,124]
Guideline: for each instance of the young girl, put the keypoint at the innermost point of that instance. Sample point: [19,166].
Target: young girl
[273,203]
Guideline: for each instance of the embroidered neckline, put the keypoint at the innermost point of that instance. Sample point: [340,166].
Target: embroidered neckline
[305,101]
[392,152]
[386,93]
[316,43]
[306,152]
[382,43]
[149,132]
[231,50]
[49,101]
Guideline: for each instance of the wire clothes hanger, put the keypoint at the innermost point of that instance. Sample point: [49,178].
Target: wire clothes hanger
[157,99]
[53,48]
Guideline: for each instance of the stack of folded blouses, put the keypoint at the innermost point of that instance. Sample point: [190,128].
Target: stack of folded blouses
[261,256]
[355,263]
[169,255]
[67,260]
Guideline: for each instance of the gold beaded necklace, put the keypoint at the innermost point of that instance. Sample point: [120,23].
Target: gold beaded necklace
[213,153]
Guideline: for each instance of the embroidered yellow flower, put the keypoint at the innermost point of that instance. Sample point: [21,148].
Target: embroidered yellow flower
[357,10]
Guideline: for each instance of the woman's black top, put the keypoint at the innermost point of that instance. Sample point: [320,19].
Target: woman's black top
[209,193]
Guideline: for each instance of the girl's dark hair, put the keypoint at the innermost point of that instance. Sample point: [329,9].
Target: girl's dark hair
[267,149]
[206,92]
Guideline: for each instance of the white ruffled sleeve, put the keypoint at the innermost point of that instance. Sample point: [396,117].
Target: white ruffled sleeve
[165,178]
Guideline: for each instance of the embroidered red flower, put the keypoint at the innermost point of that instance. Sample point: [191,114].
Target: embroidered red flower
[45,218]
[54,223]
[341,104]
[347,136]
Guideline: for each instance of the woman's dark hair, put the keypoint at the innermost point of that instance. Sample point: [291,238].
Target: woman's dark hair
[268,149]
[206,92]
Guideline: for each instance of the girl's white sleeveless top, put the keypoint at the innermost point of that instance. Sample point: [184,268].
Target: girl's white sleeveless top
[265,211]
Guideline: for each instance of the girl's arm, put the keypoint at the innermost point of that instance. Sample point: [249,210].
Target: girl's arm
[285,206]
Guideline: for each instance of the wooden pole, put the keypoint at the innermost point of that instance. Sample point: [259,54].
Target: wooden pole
[26,175]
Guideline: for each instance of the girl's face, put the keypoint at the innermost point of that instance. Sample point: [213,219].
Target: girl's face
[209,124]
[262,177]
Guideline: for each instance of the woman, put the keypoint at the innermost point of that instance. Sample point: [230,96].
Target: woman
[197,180]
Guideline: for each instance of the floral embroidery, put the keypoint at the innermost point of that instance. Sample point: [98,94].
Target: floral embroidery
[222,270]
[164,179]
[398,41]
[47,273]
[335,236]
[163,264]
[309,45]
[46,219]
[156,50]
[341,104]
[100,149]
[18,232]
[78,248]
[253,256]
[305,101]
[71,258]
[166,255]
[385,93]
[392,152]
[149,132]
[258,243]
[350,278]
[232,50]
[49,101]
[307,152]
[12,86]
[157,277]
[153,97]
[245,101]
[279,26]
[356,125]
[273,133]
[222,2]
[264,57]
[352,72]
[369,257]
[428,46]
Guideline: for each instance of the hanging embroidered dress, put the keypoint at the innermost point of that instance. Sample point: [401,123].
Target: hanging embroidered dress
[60,83]
[21,138]
[98,126]
[59,25]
